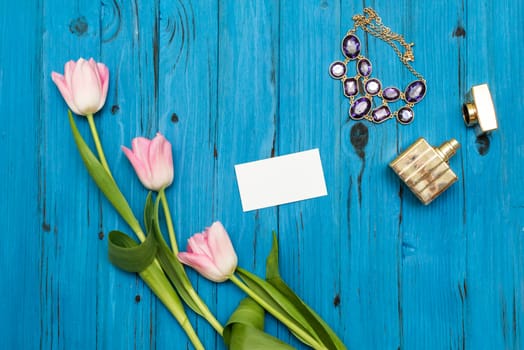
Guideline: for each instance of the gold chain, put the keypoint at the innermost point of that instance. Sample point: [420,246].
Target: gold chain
[372,24]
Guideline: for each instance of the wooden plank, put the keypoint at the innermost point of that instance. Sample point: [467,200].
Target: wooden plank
[246,127]
[69,245]
[371,282]
[20,91]
[187,103]
[432,237]
[492,183]
[313,239]
[127,42]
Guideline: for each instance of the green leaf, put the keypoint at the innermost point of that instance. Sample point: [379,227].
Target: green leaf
[278,301]
[245,329]
[155,278]
[149,213]
[128,255]
[103,180]
[326,334]
[172,267]
[272,270]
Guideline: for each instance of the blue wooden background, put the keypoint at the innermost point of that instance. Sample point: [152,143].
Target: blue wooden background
[234,81]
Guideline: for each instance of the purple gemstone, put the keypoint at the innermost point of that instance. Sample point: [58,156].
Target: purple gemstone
[381,113]
[351,46]
[415,91]
[337,69]
[364,67]
[405,115]
[372,86]
[350,87]
[360,108]
[391,94]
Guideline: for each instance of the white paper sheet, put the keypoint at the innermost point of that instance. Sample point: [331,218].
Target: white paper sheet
[279,180]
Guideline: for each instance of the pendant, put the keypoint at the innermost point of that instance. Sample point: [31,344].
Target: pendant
[364,92]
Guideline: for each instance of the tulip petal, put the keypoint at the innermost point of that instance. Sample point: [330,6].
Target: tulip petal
[155,158]
[94,67]
[140,168]
[69,68]
[161,168]
[85,87]
[198,244]
[96,76]
[62,86]
[103,73]
[154,171]
[222,249]
[140,147]
[167,152]
[203,265]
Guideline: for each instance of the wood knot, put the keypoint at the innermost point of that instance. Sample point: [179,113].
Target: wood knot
[78,26]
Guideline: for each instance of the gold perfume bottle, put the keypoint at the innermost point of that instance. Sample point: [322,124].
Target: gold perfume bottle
[425,170]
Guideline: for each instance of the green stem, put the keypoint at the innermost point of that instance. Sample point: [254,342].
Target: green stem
[98,145]
[140,235]
[170,228]
[134,224]
[193,337]
[206,312]
[155,278]
[169,222]
[282,318]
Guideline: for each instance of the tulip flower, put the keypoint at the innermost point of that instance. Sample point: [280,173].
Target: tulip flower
[83,85]
[153,164]
[152,161]
[84,88]
[211,253]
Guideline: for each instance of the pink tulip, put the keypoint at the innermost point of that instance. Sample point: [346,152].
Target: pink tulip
[152,161]
[211,253]
[83,85]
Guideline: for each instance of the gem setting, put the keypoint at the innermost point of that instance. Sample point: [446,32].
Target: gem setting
[364,67]
[405,115]
[360,108]
[350,87]
[337,70]
[415,91]
[367,97]
[391,94]
[381,114]
[351,46]
[373,86]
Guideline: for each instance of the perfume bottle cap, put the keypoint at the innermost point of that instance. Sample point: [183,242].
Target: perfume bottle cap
[479,110]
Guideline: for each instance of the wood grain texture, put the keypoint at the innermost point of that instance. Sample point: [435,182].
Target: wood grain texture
[235,81]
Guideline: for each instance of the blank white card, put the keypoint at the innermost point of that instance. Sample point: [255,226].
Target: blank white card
[279,180]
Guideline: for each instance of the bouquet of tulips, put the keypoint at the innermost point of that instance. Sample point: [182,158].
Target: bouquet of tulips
[84,87]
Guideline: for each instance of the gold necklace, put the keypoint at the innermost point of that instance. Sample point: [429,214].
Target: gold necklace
[361,88]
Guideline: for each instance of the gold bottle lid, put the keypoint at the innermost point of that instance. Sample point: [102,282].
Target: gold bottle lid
[479,110]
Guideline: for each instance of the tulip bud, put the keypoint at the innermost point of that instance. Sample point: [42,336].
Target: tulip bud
[152,161]
[211,253]
[83,85]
